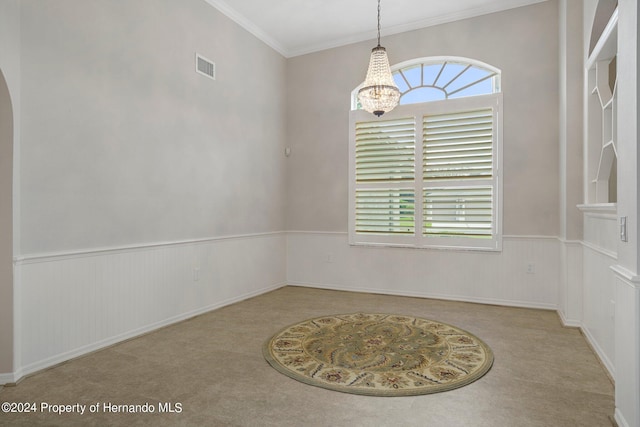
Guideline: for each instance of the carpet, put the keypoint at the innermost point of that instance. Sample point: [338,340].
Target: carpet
[378,354]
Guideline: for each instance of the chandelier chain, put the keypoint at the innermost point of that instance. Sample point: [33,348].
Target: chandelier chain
[379,92]
[378,22]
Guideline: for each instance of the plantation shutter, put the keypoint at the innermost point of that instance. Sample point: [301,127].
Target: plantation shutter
[388,211]
[385,158]
[427,175]
[458,211]
[458,149]
[385,151]
[458,145]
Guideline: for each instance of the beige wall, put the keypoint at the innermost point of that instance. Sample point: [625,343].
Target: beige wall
[119,143]
[9,131]
[6,229]
[522,42]
[571,119]
[124,143]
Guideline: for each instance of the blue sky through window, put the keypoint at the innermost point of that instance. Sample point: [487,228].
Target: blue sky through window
[431,73]
[481,88]
[402,85]
[443,80]
[449,73]
[413,76]
[422,94]
[471,75]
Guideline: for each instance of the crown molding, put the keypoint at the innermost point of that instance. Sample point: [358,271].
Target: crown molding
[245,23]
[493,7]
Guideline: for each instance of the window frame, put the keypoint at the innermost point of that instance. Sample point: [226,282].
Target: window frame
[418,240]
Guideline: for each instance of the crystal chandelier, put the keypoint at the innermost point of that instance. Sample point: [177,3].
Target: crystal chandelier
[379,93]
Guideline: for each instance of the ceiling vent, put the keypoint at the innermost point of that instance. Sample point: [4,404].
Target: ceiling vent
[205,66]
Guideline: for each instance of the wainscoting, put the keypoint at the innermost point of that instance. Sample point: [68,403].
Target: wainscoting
[599,303]
[524,274]
[70,304]
[74,303]
[627,347]
[570,289]
[599,254]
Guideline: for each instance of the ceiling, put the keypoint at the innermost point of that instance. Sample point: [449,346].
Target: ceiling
[297,27]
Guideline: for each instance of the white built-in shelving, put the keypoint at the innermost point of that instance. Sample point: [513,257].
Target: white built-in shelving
[601,118]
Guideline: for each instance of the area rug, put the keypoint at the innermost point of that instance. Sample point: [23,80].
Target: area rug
[378,354]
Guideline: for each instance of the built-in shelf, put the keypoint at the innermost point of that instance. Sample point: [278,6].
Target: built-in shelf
[601,138]
[603,208]
[607,46]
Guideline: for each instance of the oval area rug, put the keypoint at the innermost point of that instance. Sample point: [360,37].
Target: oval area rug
[378,354]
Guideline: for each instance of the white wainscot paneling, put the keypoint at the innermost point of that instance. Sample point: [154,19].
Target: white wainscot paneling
[599,254]
[571,284]
[71,304]
[525,273]
[627,338]
[599,304]
[601,228]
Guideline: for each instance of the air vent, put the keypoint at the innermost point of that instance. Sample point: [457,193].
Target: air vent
[205,67]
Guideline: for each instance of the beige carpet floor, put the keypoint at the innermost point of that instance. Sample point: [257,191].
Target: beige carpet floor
[212,368]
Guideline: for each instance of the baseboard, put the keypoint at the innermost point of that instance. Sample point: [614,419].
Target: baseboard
[488,301]
[619,419]
[600,353]
[568,323]
[10,379]
[602,358]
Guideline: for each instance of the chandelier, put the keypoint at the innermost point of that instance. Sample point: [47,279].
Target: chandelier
[379,93]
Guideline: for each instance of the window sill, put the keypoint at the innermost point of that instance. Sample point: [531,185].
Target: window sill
[496,247]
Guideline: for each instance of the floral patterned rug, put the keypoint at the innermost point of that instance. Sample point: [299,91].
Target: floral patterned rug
[378,354]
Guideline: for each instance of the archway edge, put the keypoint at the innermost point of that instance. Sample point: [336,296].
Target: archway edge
[7,362]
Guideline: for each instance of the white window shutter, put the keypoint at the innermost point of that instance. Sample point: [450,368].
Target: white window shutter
[458,211]
[458,145]
[427,175]
[385,150]
[385,211]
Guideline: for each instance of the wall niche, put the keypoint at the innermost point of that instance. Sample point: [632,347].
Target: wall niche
[602,96]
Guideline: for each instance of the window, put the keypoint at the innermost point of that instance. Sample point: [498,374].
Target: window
[427,174]
[439,78]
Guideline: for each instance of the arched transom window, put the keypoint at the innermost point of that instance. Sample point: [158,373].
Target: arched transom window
[439,78]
